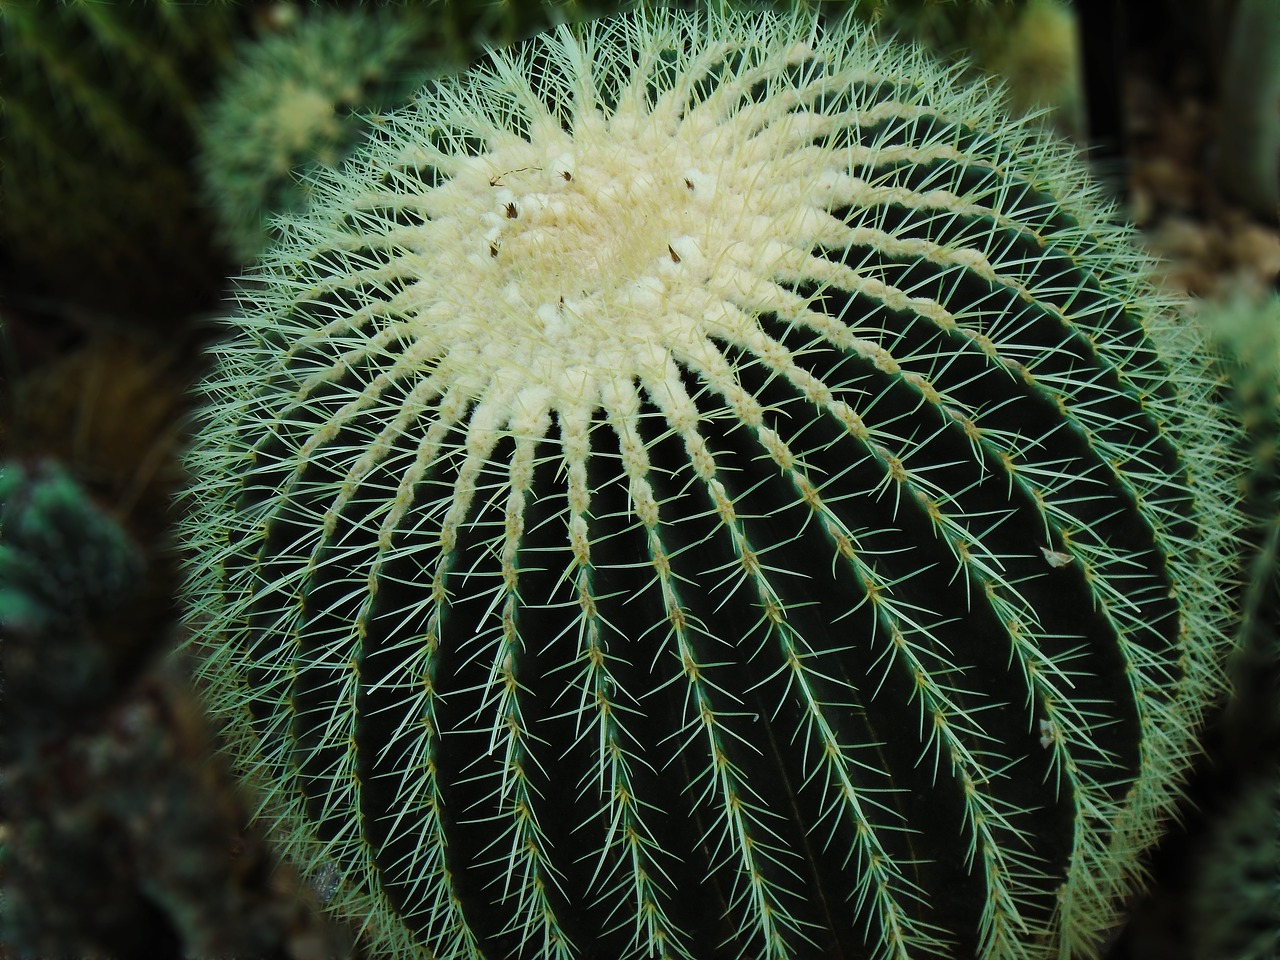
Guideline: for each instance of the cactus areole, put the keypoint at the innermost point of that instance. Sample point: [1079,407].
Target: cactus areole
[709,486]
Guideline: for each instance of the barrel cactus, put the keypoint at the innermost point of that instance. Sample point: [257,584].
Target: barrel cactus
[709,485]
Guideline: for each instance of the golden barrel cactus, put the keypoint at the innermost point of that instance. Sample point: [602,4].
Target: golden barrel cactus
[708,485]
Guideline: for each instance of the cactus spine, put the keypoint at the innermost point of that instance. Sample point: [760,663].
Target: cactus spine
[709,486]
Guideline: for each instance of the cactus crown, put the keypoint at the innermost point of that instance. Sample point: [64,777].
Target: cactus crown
[708,486]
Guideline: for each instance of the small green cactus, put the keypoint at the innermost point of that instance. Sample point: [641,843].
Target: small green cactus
[295,98]
[706,486]
[63,563]
[61,559]
[117,819]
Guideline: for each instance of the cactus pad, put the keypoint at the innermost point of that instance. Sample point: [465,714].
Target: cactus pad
[711,486]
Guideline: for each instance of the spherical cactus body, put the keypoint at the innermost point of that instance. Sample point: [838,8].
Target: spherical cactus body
[705,486]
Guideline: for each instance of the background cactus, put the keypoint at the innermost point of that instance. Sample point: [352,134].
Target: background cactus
[1249,158]
[1247,335]
[118,822]
[62,564]
[295,98]
[110,413]
[710,486]
[1039,59]
[98,204]
[1236,896]
[300,95]
[123,835]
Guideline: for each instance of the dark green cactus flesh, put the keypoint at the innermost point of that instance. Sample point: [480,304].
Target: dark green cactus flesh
[709,486]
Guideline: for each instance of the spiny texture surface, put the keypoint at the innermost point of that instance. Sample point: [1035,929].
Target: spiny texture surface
[711,487]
